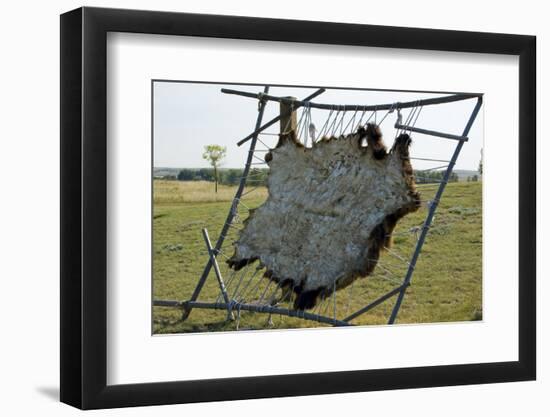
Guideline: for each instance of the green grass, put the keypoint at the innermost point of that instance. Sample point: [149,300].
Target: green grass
[446,286]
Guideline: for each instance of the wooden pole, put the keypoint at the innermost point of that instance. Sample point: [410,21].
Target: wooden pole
[289,120]
[359,107]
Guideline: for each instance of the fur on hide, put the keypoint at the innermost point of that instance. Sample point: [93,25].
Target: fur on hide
[331,210]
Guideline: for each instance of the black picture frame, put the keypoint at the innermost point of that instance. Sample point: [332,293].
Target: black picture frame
[84,207]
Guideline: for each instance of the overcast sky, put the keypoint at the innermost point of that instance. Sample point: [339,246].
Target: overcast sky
[188,116]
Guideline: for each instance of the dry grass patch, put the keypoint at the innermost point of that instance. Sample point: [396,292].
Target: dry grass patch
[172,192]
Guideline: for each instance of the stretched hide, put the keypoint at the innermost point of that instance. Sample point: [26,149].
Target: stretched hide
[331,210]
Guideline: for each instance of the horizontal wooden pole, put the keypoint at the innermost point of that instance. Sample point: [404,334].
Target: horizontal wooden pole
[168,303]
[268,309]
[353,107]
[431,132]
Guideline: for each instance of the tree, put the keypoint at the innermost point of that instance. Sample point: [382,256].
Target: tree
[214,154]
[231,176]
[204,174]
[186,175]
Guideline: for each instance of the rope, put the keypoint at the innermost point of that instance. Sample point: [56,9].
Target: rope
[407,120]
[413,115]
[240,282]
[396,255]
[352,119]
[327,306]
[299,125]
[324,126]
[238,319]
[305,126]
[254,289]
[332,128]
[247,285]
[341,124]
[265,290]
[350,296]
[418,114]
[220,295]
[392,108]
[360,120]
[250,191]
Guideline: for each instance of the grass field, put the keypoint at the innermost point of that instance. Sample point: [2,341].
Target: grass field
[446,286]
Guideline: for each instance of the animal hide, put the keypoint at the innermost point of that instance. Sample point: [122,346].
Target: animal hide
[330,211]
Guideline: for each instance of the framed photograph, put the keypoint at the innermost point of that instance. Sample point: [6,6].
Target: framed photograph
[256,208]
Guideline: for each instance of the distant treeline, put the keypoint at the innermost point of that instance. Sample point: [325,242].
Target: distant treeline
[229,176]
[426,177]
[232,176]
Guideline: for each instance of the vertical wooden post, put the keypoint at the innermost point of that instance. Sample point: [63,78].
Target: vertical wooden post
[288,122]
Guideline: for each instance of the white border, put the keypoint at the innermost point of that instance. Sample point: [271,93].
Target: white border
[134,356]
